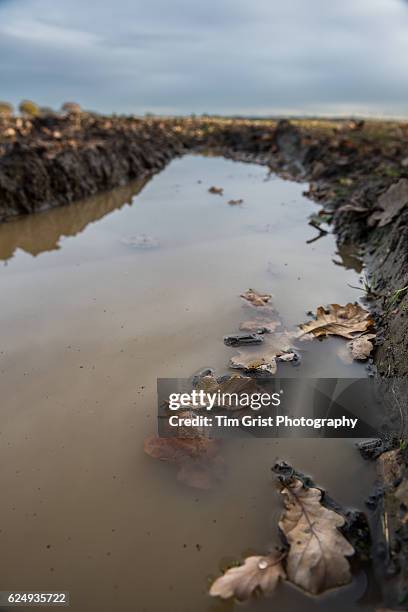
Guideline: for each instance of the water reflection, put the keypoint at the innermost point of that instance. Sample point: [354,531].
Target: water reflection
[349,257]
[42,232]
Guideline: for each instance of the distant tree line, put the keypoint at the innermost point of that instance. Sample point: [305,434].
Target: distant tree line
[28,108]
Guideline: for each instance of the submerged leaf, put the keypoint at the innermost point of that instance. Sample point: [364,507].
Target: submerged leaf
[257,572]
[336,320]
[277,346]
[317,556]
[255,298]
[251,363]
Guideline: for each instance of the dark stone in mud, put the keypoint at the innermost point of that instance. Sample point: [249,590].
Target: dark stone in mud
[243,339]
[372,449]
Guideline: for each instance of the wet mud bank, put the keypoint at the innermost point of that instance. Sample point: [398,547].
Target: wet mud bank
[48,162]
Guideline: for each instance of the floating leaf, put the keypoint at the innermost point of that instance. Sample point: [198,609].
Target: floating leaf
[336,320]
[316,559]
[216,190]
[255,298]
[265,358]
[261,573]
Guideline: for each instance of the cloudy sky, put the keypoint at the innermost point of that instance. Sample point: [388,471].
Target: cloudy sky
[254,57]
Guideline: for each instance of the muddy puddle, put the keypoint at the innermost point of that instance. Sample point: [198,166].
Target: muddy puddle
[97,301]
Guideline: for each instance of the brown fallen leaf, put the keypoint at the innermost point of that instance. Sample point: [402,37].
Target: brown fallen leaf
[251,363]
[255,298]
[361,347]
[257,572]
[316,559]
[336,320]
[390,204]
[216,190]
[265,358]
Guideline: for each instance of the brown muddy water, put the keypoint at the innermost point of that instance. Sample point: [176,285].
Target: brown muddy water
[89,320]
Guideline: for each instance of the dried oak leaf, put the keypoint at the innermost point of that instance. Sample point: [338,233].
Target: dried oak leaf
[361,347]
[336,320]
[255,298]
[257,572]
[216,190]
[390,203]
[265,359]
[316,559]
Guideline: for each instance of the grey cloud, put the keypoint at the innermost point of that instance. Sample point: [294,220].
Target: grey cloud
[180,56]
